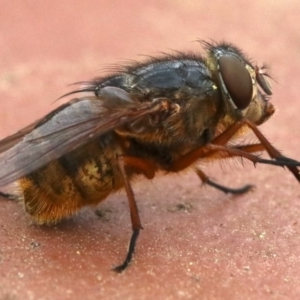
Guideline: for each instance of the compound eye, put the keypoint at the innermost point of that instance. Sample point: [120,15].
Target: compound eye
[263,83]
[237,80]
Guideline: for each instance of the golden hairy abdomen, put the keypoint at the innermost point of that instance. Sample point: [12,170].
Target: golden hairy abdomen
[83,177]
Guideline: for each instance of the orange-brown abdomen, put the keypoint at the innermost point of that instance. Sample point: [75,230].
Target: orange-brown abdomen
[83,177]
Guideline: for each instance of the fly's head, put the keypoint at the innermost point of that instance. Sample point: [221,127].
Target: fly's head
[244,87]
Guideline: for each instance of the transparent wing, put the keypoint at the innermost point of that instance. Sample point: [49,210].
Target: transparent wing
[68,127]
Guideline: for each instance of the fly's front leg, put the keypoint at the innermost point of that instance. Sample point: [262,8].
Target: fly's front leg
[148,170]
[217,148]
[224,151]
[291,164]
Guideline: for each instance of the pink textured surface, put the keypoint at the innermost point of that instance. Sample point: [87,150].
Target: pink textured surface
[220,246]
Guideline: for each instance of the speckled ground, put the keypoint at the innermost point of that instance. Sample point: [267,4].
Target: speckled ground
[197,243]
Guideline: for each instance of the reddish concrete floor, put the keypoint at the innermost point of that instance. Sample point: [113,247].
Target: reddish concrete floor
[214,247]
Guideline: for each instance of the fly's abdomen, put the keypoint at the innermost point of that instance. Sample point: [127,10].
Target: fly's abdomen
[83,177]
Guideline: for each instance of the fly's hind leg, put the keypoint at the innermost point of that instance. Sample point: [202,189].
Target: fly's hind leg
[148,170]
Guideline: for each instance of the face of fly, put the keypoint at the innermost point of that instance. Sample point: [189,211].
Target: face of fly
[244,87]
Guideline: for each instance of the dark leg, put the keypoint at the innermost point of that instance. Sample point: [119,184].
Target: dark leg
[135,219]
[218,149]
[8,196]
[291,164]
[130,252]
[206,180]
[224,151]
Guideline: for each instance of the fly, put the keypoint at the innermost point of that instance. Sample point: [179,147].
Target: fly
[166,114]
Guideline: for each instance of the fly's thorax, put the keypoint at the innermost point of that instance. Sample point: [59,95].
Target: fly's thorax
[190,125]
[182,125]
